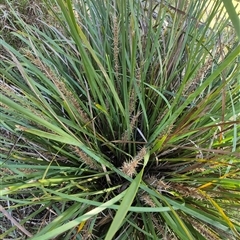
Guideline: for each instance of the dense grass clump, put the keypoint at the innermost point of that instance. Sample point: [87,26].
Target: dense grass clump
[121,123]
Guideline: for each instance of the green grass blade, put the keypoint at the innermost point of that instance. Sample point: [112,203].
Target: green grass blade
[126,202]
[232,15]
[124,207]
[75,222]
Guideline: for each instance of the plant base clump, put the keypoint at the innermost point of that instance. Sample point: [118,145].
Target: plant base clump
[121,123]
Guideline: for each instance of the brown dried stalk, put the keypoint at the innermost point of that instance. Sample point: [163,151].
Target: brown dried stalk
[14,222]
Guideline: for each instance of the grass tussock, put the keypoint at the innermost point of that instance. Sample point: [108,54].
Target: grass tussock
[121,121]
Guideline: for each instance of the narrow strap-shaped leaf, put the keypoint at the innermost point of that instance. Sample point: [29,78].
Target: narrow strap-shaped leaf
[232,15]
[126,203]
[124,207]
[75,222]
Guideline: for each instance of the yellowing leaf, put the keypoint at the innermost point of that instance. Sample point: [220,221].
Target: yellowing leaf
[158,143]
[81,225]
[98,106]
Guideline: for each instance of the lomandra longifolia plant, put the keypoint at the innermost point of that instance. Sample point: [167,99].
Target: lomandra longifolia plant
[122,122]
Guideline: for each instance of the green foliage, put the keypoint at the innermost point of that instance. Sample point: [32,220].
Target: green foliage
[233,16]
[122,123]
[31,11]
